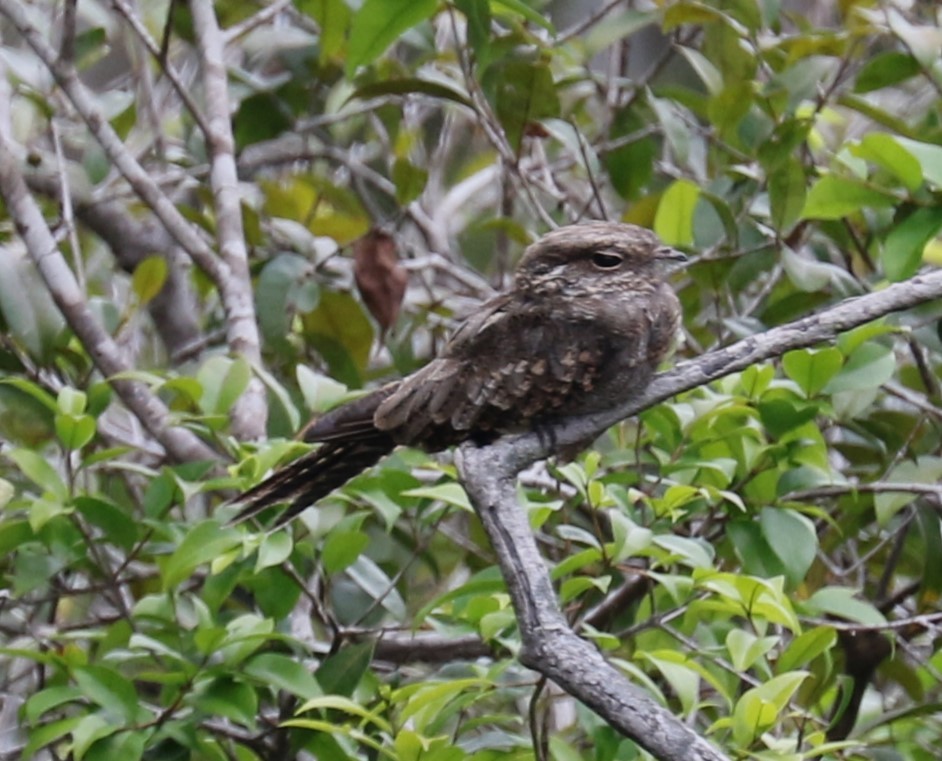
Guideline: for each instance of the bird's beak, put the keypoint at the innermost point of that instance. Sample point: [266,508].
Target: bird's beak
[671,254]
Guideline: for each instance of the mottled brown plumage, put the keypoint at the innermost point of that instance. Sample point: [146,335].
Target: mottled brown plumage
[585,325]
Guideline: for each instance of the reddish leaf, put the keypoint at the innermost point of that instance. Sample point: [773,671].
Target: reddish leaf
[379,276]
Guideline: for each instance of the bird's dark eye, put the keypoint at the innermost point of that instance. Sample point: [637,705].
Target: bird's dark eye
[606,261]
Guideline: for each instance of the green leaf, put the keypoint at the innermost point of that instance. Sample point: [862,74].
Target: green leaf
[811,369]
[342,548]
[523,10]
[116,525]
[14,534]
[869,366]
[377,25]
[674,219]
[48,699]
[833,197]
[345,705]
[149,278]
[753,550]
[128,746]
[745,648]
[110,690]
[410,86]
[342,334]
[761,706]
[320,392]
[792,538]
[223,380]
[524,94]
[38,470]
[89,730]
[340,673]
[274,550]
[333,19]
[787,185]
[284,673]
[884,70]
[617,27]
[203,544]
[75,431]
[922,470]
[286,286]
[806,647]
[902,252]
[450,492]
[70,401]
[885,151]
[409,180]
[929,156]
[843,603]
[229,698]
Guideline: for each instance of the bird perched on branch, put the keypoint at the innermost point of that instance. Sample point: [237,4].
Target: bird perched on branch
[585,325]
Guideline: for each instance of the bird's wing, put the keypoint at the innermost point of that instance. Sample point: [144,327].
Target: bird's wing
[501,369]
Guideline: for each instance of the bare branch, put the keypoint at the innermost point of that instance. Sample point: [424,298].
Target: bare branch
[137,177]
[250,412]
[180,443]
[549,646]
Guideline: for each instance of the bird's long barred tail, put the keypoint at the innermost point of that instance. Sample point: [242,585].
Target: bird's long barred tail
[313,476]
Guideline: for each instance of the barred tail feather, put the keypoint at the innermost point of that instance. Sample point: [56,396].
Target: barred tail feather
[313,476]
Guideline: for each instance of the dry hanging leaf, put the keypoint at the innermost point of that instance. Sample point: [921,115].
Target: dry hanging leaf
[379,276]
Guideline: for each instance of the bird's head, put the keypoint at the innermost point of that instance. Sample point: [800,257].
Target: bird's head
[602,254]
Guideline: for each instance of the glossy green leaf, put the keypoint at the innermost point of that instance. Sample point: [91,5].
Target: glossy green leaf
[75,431]
[885,151]
[885,70]
[226,697]
[285,673]
[792,538]
[812,369]
[110,690]
[342,333]
[787,190]
[674,219]
[274,550]
[870,365]
[341,672]
[410,86]
[378,23]
[923,470]
[525,93]
[149,278]
[342,548]
[806,647]
[39,470]
[833,197]
[201,545]
[929,156]
[906,241]
[843,603]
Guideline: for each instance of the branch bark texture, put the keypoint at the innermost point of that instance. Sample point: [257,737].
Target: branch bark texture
[250,412]
[181,444]
[233,285]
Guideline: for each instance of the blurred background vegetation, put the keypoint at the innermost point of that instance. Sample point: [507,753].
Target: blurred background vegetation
[762,554]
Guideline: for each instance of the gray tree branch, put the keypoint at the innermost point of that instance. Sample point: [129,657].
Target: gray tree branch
[549,645]
[232,286]
[181,444]
[250,412]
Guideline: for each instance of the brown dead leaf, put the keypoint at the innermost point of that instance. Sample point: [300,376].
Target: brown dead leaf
[380,278]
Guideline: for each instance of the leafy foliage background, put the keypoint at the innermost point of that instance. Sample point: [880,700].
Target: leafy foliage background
[762,554]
